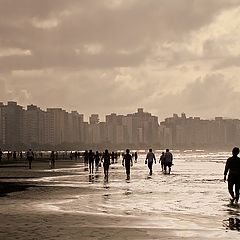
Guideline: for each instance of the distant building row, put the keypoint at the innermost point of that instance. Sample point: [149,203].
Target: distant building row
[34,127]
[55,126]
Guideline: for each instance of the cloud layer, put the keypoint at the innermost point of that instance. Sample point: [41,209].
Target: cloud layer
[114,56]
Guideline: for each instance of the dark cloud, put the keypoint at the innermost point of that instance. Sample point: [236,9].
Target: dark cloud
[101,56]
[137,25]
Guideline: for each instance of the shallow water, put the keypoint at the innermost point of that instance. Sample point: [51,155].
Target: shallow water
[192,197]
[194,189]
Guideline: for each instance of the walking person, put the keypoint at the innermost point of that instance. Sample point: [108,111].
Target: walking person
[136,157]
[127,162]
[161,160]
[1,154]
[71,155]
[85,156]
[168,161]
[112,157]
[52,160]
[232,168]
[106,163]
[30,157]
[9,155]
[149,160]
[91,161]
[14,155]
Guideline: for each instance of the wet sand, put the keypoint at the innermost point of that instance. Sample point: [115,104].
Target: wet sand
[68,203]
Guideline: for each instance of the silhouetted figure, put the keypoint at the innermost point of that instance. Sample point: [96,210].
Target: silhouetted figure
[149,160]
[91,161]
[112,157]
[21,155]
[75,155]
[161,160]
[168,161]
[106,163]
[127,161]
[52,160]
[30,157]
[9,154]
[97,160]
[232,168]
[14,155]
[85,155]
[1,155]
[56,155]
[116,157]
[135,157]
[71,155]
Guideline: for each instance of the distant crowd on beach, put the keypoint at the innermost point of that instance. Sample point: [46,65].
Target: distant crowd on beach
[97,159]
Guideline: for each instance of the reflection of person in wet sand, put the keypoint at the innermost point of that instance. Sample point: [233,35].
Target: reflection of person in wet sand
[232,168]
[97,160]
[106,163]
[127,159]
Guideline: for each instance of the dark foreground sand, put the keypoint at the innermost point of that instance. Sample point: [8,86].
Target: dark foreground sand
[32,201]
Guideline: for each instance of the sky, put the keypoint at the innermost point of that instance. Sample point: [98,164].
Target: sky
[103,56]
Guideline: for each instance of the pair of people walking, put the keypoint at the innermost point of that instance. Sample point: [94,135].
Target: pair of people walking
[166,161]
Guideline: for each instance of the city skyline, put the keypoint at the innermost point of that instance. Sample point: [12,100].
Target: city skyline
[102,118]
[114,55]
[57,128]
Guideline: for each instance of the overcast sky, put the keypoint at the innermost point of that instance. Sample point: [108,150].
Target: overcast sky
[103,56]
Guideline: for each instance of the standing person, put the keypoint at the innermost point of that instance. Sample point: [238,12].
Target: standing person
[71,155]
[52,160]
[75,155]
[127,159]
[1,154]
[135,157]
[97,160]
[85,155]
[30,157]
[168,161]
[106,163]
[14,155]
[56,155]
[149,160]
[232,168]
[9,154]
[21,155]
[161,160]
[91,161]
[112,157]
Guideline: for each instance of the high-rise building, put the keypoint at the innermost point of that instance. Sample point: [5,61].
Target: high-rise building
[34,126]
[14,124]
[56,120]
[2,124]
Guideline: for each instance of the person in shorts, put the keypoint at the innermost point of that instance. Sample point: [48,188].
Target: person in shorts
[232,168]
[127,162]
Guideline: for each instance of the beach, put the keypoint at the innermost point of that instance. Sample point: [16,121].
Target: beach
[68,203]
